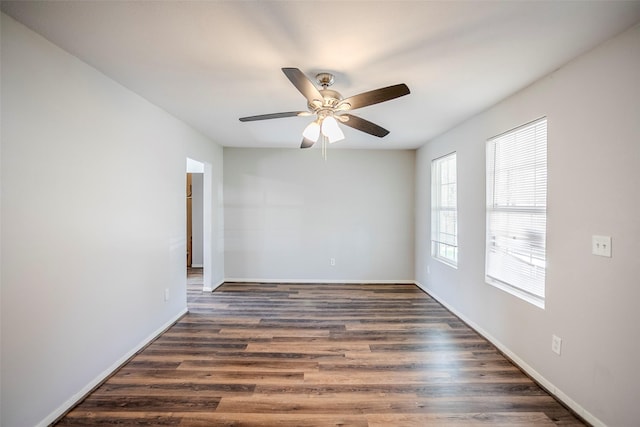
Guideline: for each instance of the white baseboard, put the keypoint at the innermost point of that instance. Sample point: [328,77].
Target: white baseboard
[548,385]
[246,280]
[197,265]
[73,400]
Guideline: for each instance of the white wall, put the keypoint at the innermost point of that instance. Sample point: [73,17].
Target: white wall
[93,224]
[287,212]
[593,110]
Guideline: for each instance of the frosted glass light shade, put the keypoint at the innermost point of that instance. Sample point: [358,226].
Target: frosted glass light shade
[312,131]
[331,130]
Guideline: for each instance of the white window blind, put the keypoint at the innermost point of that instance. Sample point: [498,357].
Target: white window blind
[517,211]
[444,210]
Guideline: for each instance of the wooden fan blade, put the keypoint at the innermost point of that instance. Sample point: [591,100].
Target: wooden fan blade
[307,143]
[364,125]
[273,116]
[303,84]
[376,96]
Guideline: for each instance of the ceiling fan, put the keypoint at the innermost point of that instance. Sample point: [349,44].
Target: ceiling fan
[330,107]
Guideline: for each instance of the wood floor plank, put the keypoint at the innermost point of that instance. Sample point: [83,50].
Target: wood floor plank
[496,419]
[137,403]
[375,403]
[271,420]
[207,376]
[335,354]
[81,418]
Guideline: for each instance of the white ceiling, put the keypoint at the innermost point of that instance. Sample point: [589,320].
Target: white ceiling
[211,62]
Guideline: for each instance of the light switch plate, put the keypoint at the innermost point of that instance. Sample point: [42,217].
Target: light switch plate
[601,245]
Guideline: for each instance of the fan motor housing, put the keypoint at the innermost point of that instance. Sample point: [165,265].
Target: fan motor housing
[331,97]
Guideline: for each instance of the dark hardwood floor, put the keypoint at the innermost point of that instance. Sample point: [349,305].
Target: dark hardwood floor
[318,355]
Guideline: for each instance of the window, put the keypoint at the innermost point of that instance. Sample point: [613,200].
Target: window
[517,211]
[444,210]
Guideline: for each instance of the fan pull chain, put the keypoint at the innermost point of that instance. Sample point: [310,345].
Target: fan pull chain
[324,147]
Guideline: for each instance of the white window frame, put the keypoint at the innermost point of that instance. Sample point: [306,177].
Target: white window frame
[444,209]
[515,257]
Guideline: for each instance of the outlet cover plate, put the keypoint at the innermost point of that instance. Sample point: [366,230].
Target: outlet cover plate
[556,344]
[601,246]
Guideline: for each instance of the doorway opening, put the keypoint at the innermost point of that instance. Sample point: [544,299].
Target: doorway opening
[198,230]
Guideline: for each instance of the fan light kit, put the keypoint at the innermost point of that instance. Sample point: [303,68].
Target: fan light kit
[330,108]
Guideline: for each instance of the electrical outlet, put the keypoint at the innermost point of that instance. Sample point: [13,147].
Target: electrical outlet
[332,261]
[556,344]
[166,294]
[601,246]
